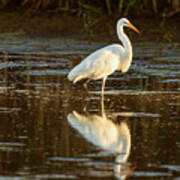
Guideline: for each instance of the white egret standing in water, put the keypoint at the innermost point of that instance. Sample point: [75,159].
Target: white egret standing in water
[105,61]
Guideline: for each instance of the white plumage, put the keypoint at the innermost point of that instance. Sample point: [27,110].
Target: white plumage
[107,60]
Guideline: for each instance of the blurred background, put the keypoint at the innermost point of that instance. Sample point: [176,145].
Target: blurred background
[72,17]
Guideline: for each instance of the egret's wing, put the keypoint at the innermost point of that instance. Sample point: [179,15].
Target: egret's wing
[102,62]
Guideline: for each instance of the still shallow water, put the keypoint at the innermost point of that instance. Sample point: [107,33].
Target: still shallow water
[51,129]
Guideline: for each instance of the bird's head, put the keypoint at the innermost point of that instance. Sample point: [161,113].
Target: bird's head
[126,22]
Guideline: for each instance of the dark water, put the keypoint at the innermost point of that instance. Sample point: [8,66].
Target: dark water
[51,129]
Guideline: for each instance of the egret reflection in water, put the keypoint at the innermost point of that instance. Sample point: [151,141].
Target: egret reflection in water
[107,134]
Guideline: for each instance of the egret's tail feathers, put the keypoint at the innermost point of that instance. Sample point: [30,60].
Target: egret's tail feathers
[70,76]
[75,77]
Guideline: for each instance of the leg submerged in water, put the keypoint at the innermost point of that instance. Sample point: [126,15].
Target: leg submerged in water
[86,84]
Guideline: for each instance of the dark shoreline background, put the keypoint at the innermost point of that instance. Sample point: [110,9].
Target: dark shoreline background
[89,20]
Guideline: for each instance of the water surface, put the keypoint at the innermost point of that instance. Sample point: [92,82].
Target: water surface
[52,129]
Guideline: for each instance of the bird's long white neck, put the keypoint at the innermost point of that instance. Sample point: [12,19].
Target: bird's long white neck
[125,40]
[126,56]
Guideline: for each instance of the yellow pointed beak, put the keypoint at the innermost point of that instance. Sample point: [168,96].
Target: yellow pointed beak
[133,27]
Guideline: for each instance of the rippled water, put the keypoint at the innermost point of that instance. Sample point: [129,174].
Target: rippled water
[52,129]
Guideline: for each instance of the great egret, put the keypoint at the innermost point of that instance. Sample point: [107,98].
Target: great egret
[105,61]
